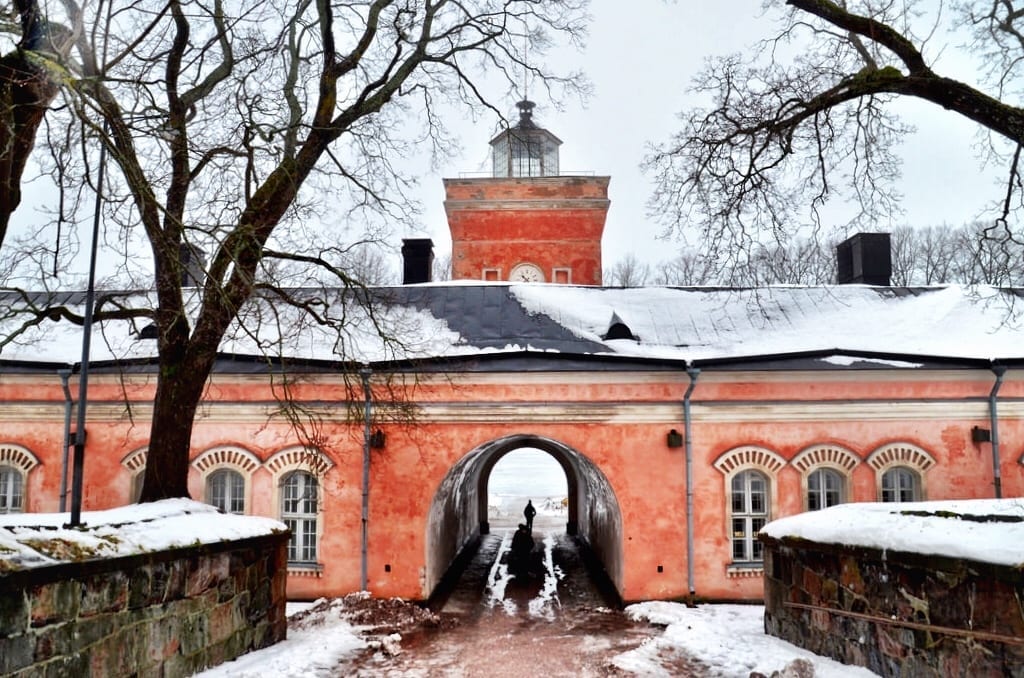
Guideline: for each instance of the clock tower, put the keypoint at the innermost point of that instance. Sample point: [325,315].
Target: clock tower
[527,222]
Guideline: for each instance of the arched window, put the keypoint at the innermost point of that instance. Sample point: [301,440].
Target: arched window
[12,498]
[299,513]
[225,489]
[825,487]
[901,470]
[750,502]
[900,484]
[138,479]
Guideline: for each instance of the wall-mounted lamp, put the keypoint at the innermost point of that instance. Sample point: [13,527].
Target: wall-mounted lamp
[674,438]
[981,435]
[377,440]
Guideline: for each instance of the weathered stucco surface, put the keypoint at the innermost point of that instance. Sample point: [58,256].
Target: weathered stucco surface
[607,429]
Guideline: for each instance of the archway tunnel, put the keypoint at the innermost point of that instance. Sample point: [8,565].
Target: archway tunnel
[459,511]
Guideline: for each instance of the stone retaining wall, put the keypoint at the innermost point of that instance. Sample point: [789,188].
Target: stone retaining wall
[898,614]
[167,613]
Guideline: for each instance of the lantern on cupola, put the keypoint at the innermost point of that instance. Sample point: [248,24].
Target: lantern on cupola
[525,150]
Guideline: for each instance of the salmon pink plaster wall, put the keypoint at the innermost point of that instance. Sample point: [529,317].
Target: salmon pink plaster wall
[615,421]
[553,222]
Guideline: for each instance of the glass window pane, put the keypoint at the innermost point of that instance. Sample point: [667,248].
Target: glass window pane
[10,490]
[299,511]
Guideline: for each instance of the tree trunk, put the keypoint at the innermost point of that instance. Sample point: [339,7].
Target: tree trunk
[26,92]
[179,388]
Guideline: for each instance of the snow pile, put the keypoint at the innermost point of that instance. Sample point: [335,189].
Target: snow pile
[985,530]
[727,639]
[318,641]
[38,539]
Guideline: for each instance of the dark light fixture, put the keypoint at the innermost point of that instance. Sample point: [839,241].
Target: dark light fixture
[377,440]
[981,435]
[674,438]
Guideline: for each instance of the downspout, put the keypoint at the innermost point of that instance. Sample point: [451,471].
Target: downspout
[688,441]
[65,374]
[997,478]
[365,376]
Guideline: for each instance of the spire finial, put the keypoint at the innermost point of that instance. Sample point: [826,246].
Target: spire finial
[526,114]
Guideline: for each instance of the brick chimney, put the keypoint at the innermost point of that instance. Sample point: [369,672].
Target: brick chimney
[865,258]
[417,260]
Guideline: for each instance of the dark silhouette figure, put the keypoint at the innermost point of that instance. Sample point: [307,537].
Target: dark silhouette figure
[520,553]
[529,512]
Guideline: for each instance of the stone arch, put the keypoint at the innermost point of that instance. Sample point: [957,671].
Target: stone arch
[900,454]
[458,512]
[135,461]
[226,456]
[17,456]
[833,456]
[227,459]
[299,457]
[749,456]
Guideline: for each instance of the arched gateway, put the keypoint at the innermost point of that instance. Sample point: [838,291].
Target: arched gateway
[458,512]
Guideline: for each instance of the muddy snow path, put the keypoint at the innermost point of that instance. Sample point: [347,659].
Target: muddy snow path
[496,625]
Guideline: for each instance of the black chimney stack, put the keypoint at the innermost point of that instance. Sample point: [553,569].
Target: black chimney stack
[865,258]
[193,265]
[417,260]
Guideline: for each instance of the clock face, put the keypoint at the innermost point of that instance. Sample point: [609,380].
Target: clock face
[526,273]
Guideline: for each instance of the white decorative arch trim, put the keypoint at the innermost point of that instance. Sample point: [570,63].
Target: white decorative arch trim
[900,454]
[749,456]
[308,458]
[825,455]
[135,461]
[226,456]
[18,457]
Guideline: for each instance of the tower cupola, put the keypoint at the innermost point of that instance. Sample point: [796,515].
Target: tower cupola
[525,150]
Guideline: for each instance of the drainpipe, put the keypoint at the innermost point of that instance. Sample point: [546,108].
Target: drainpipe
[65,374]
[688,441]
[364,374]
[999,371]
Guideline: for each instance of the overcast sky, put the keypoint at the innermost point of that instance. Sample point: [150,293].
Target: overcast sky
[640,57]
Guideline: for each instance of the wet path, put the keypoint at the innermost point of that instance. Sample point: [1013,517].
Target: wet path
[495,626]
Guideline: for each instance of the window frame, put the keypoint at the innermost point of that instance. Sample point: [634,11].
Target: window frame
[825,471]
[916,486]
[300,522]
[753,552]
[12,486]
[904,454]
[232,494]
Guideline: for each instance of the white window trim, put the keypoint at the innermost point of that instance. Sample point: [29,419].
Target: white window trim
[750,538]
[495,271]
[844,491]
[246,493]
[729,464]
[918,481]
[232,458]
[15,472]
[310,460]
[318,517]
[904,454]
[562,269]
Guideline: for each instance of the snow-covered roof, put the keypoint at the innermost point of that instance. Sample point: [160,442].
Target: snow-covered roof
[833,327]
[984,530]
